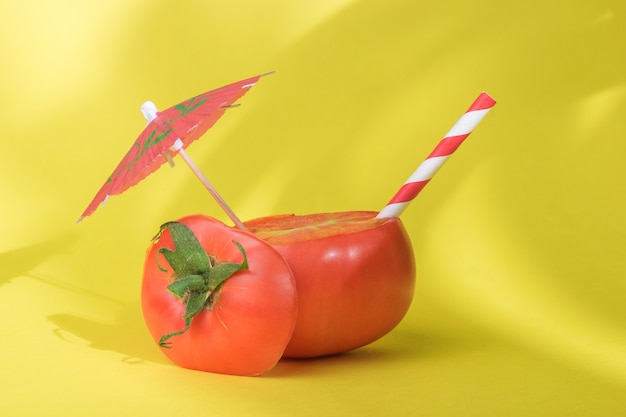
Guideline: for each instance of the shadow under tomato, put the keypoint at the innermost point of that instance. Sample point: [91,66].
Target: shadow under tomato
[400,346]
[366,356]
[127,335]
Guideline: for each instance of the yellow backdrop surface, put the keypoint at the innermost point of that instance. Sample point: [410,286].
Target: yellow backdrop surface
[519,240]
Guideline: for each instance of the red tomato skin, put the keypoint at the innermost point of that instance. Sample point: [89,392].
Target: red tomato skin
[352,288]
[246,331]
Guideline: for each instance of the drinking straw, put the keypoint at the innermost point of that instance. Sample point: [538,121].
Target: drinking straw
[429,167]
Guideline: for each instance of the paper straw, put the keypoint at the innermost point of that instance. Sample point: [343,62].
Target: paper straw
[427,169]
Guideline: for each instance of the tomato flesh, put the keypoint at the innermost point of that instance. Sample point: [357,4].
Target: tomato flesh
[254,313]
[355,277]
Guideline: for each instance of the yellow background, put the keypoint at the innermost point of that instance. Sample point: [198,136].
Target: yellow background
[519,307]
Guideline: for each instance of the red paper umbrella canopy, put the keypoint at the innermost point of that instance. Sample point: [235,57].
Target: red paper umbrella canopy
[168,132]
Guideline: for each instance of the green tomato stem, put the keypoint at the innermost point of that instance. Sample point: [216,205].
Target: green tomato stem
[196,275]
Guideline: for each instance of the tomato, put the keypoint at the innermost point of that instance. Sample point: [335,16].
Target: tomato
[241,326]
[355,277]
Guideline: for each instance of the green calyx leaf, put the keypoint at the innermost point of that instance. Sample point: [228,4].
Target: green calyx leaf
[196,276]
[190,283]
[189,257]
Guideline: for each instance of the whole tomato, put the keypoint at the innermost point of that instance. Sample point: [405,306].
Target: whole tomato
[355,277]
[217,299]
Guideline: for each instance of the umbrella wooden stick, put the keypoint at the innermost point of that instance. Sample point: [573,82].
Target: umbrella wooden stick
[149,111]
[178,147]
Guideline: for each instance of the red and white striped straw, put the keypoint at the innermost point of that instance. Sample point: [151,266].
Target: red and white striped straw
[427,169]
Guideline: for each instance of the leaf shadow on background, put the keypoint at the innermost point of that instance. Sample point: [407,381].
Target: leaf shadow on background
[328,122]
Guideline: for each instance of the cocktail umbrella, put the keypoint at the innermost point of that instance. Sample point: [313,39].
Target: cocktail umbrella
[167,134]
